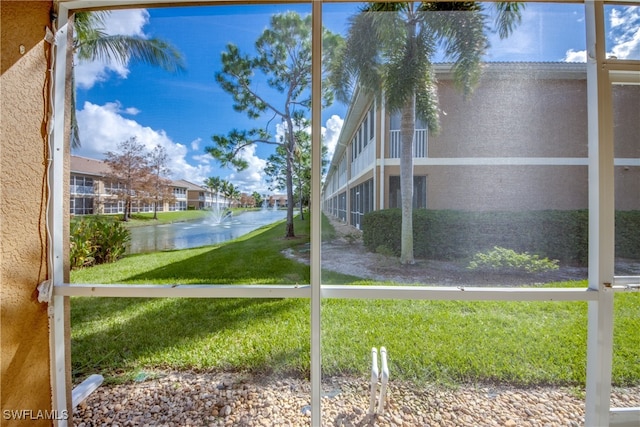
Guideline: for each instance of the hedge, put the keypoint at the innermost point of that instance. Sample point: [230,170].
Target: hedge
[449,234]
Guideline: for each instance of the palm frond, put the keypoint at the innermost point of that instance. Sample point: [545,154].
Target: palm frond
[508,17]
[91,43]
[123,49]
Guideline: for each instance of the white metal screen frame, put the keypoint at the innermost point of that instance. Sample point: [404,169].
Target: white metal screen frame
[602,283]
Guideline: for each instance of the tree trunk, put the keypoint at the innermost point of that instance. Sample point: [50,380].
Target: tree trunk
[127,209]
[301,197]
[289,178]
[407,133]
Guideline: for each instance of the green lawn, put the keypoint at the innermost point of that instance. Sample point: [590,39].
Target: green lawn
[524,343]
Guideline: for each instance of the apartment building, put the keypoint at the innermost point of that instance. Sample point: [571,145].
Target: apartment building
[199,197]
[91,192]
[519,142]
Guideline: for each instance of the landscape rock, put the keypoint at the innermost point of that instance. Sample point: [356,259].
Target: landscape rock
[286,402]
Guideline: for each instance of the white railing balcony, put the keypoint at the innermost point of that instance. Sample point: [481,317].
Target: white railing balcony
[419,144]
[364,161]
[82,189]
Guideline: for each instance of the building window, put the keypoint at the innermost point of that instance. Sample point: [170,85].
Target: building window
[113,207]
[419,192]
[113,187]
[372,124]
[361,202]
[81,205]
[81,185]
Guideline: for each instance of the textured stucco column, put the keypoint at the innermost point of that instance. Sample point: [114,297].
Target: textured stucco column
[23,265]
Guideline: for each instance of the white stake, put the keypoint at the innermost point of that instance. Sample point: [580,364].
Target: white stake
[385,379]
[374,379]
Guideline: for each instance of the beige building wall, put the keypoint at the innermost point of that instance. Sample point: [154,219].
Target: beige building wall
[508,188]
[513,118]
[24,346]
[519,142]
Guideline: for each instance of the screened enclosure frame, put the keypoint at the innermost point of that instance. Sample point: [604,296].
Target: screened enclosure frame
[602,284]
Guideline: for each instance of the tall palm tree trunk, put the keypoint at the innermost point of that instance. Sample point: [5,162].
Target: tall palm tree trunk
[407,134]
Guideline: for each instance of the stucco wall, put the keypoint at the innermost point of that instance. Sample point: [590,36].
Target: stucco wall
[24,339]
[513,118]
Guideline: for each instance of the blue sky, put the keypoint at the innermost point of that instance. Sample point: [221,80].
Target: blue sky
[181,112]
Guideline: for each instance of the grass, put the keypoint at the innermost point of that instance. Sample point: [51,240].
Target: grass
[254,258]
[450,342]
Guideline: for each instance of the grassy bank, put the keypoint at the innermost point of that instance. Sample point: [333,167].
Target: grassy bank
[523,343]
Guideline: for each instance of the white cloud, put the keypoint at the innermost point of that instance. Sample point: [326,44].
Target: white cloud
[252,178]
[129,22]
[623,39]
[102,128]
[132,111]
[331,132]
[575,56]
[195,144]
[625,32]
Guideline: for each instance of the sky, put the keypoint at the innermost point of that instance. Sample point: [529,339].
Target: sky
[182,111]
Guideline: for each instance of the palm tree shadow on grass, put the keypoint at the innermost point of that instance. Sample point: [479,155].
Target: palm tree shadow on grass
[178,333]
[245,265]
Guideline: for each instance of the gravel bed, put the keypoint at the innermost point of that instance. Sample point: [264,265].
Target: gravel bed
[227,399]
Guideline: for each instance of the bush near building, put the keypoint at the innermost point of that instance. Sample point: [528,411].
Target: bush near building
[450,234]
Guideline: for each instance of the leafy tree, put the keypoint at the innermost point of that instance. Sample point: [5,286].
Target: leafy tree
[129,169]
[159,186]
[283,57]
[389,52]
[91,43]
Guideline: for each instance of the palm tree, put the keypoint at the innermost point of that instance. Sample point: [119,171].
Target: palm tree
[389,53]
[214,183]
[92,43]
[236,196]
[228,189]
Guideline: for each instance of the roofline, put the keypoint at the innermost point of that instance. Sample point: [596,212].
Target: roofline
[538,70]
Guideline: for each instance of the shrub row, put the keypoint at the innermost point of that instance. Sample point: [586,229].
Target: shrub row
[96,240]
[447,234]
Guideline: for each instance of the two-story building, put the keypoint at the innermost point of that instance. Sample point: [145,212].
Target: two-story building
[519,142]
[92,192]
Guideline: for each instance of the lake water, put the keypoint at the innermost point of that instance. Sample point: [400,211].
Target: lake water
[191,234]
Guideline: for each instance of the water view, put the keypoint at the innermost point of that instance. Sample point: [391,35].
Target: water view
[211,230]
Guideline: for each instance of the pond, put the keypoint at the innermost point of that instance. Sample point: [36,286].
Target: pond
[207,231]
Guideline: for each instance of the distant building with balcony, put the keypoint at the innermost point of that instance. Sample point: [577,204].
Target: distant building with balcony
[200,197]
[519,142]
[92,192]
